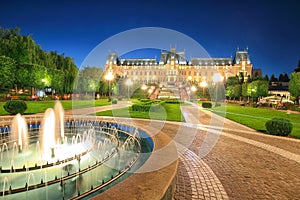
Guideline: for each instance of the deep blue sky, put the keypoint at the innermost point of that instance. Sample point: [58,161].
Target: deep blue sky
[270,29]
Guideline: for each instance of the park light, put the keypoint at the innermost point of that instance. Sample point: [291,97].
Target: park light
[203,84]
[144,87]
[109,77]
[217,78]
[193,88]
[129,83]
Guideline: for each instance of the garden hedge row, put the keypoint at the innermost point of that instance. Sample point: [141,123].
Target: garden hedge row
[146,107]
[206,105]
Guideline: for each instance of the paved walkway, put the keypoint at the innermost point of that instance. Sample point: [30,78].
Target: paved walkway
[245,164]
[226,160]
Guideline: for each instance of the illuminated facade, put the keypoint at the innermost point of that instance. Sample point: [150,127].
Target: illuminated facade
[173,67]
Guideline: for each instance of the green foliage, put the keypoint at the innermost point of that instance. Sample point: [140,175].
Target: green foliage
[258,88]
[294,84]
[278,126]
[89,79]
[146,107]
[173,101]
[245,92]
[231,81]
[26,64]
[206,105]
[234,91]
[15,106]
[8,67]
[114,101]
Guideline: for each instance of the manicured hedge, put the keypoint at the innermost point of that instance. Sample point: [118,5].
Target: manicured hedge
[15,106]
[173,101]
[278,126]
[206,105]
[114,101]
[145,107]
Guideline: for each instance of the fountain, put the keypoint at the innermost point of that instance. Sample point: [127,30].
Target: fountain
[65,158]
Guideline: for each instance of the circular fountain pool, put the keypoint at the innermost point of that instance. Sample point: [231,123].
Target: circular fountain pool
[69,160]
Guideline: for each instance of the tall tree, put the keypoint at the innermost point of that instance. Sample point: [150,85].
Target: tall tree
[232,81]
[294,85]
[258,88]
[297,69]
[266,77]
[273,78]
[8,68]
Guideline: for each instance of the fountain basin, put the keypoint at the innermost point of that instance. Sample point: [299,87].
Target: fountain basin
[92,173]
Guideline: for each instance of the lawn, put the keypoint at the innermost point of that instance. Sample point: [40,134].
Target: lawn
[256,117]
[40,106]
[167,111]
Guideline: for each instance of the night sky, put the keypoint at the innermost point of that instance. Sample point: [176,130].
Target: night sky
[270,29]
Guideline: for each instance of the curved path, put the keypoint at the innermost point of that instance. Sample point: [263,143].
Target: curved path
[249,165]
[226,160]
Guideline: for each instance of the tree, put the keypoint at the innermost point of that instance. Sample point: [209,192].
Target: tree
[230,91]
[297,69]
[88,79]
[294,85]
[266,77]
[241,77]
[8,67]
[273,78]
[237,91]
[233,80]
[245,92]
[29,57]
[258,88]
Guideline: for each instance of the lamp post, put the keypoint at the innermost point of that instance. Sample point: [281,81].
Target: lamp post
[190,78]
[203,84]
[216,79]
[144,88]
[128,83]
[193,89]
[252,90]
[44,82]
[109,77]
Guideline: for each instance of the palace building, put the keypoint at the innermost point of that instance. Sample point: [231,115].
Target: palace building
[174,68]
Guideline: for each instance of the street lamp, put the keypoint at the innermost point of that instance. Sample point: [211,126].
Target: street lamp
[203,84]
[193,89]
[252,91]
[190,79]
[144,87]
[128,83]
[109,77]
[216,79]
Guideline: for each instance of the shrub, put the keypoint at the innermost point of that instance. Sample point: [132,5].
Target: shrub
[114,101]
[206,105]
[173,101]
[145,107]
[15,106]
[278,126]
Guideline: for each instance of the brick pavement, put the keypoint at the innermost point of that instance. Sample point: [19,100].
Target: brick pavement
[249,165]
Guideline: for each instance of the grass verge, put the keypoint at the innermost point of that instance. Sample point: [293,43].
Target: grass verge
[167,111]
[256,117]
[40,106]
